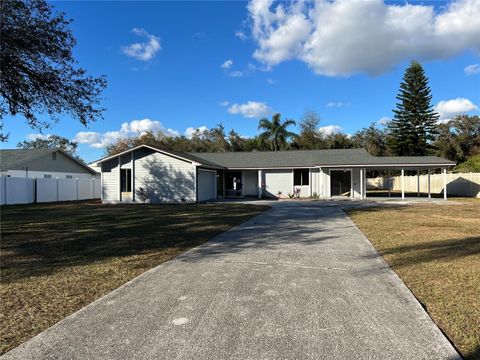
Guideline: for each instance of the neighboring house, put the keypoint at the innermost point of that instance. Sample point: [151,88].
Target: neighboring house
[156,175]
[43,163]
[94,166]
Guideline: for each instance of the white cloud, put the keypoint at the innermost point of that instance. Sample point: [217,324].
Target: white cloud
[340,38]
[236,73]
[88,137]
[330,129]
[251,109]
[227,64]
[33,137]
[448,109]
[384,120]
[272,81]
[144,51]
[191,130]
[241,35]
[336,104]
[101,140]
[472,69]
[224,103]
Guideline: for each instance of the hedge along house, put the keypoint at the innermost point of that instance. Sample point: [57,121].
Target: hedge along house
[147,173]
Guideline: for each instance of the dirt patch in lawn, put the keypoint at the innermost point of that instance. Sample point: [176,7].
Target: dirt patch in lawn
[57,258]
[435,249]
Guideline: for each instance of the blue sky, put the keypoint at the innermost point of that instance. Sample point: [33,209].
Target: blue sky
[344,61]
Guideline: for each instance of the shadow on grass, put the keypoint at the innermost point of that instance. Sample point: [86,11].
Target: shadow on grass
[40,239]
[474,355]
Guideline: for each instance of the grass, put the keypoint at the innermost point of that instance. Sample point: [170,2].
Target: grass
[57,258]
[435,249]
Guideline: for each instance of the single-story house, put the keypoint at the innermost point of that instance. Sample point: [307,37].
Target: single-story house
[43,163]
[151,174]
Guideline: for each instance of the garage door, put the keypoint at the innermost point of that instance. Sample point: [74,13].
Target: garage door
[206,185]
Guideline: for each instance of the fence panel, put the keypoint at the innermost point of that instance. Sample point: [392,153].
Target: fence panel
[23,190]
[2,190]
[19,191]
[458,184]
[98,189]
[47,190]
[86,189]
[67,189]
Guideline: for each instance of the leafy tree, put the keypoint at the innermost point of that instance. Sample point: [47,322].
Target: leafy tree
[372,139]
[337,141]
[309,137]
[38,71]
[236,141]
[216,139]
[446,144]
[413,127]
[275,131]
[51,142]
[459,138]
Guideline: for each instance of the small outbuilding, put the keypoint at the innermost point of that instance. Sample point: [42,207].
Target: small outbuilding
[147,173]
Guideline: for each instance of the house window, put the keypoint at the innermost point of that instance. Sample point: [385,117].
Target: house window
[125,180]
[69,176]
[54,155]
[47,176]
[300,177]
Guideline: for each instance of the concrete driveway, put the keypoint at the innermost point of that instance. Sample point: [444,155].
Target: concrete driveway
[297,282]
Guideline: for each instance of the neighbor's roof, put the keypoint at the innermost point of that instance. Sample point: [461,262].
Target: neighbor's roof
[14,159]
[296,158]
[313,158]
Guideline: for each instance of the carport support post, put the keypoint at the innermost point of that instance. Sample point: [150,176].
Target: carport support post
[445,183]
[259,184]
[428,179]
[403,184]
[362,195]
[418,183]
[389,182]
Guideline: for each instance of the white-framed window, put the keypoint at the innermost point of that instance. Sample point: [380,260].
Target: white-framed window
[47,176]
[69,176]
[301,177]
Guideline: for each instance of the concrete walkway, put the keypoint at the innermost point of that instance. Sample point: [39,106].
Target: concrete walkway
[297,282]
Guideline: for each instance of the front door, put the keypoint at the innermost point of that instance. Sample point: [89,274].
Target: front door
[340,182]
[233,183]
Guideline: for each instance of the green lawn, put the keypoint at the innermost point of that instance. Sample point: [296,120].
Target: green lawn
[57,258]
[435,249]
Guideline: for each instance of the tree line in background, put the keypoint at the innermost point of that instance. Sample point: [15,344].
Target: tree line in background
[413,131]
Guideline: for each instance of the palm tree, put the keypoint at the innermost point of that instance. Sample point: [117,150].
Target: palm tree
[275,131]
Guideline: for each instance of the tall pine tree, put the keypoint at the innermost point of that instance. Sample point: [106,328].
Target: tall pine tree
[413,127]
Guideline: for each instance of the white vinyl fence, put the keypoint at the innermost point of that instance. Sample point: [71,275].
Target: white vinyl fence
[458,184]
[27,190]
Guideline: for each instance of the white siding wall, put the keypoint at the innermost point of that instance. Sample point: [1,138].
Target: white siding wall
[250,183]
[164,178]
[278,180]
[322,182]
[110,180]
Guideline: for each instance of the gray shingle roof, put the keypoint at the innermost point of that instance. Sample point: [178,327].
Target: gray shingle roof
[310,158]
[14,159]
[297,158]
